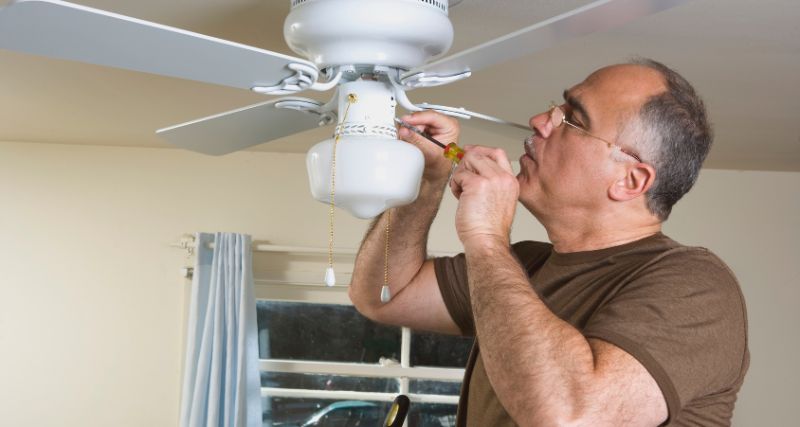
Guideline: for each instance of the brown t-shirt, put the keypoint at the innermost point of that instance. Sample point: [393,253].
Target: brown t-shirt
[678,310]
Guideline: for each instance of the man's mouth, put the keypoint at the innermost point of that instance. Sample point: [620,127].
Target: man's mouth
[529,147]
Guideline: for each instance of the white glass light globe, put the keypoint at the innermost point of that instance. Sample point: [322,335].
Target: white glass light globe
[372,173]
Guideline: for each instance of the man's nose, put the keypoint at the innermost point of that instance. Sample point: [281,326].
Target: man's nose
[541,124]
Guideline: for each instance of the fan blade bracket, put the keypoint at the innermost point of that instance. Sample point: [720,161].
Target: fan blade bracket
[422,79]
[304,105]
[463,113]
[310,107]
[330,84]
[458,112]
[303,78]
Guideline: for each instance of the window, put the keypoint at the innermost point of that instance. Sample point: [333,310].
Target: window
[324,364]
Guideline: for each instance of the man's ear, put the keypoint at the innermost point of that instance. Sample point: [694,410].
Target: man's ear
[638,178]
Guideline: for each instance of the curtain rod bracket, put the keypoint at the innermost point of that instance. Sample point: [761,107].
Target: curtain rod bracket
[186,243]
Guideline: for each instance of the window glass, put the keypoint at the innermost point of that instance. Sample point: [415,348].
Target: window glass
[429,349]
[451,388]
[308,412]
[350,413]
[326,332]
[338,333]
[329,382]
[431,415]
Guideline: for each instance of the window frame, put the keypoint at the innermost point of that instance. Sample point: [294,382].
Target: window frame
[293,288]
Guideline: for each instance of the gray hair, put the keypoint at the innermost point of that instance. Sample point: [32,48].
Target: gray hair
[677,136]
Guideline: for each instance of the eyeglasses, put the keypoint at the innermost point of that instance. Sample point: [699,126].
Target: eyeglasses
[558,117]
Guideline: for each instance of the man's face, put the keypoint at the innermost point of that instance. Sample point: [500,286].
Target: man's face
[564,168]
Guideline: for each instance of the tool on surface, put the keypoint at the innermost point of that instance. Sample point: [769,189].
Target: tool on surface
[397,413]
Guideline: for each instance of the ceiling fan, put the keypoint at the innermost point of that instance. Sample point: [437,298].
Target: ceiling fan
[368,52]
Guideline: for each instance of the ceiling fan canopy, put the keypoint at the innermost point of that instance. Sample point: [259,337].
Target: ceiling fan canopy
[372,51]
[395,33]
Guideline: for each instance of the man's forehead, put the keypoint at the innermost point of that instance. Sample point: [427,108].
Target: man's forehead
[621,84]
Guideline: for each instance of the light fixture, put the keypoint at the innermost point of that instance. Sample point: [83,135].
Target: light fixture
[372,169]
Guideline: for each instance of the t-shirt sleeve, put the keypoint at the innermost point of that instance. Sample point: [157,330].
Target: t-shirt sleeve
[683,318]
[451,275]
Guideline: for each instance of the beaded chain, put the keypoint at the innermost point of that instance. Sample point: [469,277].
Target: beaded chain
[330,278]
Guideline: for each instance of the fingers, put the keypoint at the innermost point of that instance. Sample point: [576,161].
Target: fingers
[474,176]
[455,186]
[440,127]
[486,158]
[443,128]
[482,164]
[408,136]
[485,161]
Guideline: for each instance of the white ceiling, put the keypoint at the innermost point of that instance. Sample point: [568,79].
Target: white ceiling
[742,55]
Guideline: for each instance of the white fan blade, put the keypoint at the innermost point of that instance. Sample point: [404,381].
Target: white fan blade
[69,31]
[241,128]
[596,16]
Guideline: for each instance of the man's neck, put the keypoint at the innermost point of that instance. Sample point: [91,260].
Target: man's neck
[576,237]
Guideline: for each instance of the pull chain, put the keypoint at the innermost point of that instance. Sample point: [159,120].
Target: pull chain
[330,276]
[386,294]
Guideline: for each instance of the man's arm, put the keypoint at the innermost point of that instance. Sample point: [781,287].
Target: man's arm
[544,371]
[416,301]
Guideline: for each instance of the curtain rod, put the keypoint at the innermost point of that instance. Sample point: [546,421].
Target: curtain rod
[187,243]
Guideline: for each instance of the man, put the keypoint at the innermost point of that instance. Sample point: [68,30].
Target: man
[611,324]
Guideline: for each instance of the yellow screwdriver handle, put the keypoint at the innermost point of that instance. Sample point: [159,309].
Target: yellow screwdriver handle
[453,152]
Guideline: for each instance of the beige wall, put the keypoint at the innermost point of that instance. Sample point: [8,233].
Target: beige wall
[91,301]
[752,221]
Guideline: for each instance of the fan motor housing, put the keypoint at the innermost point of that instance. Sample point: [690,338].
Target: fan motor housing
[396,33]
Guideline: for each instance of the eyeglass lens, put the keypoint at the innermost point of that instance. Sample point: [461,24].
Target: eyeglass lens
[556,116]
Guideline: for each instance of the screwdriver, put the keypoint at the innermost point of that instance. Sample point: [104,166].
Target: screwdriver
[451,151]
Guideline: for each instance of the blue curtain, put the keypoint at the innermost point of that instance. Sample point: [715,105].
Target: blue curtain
[221,383]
